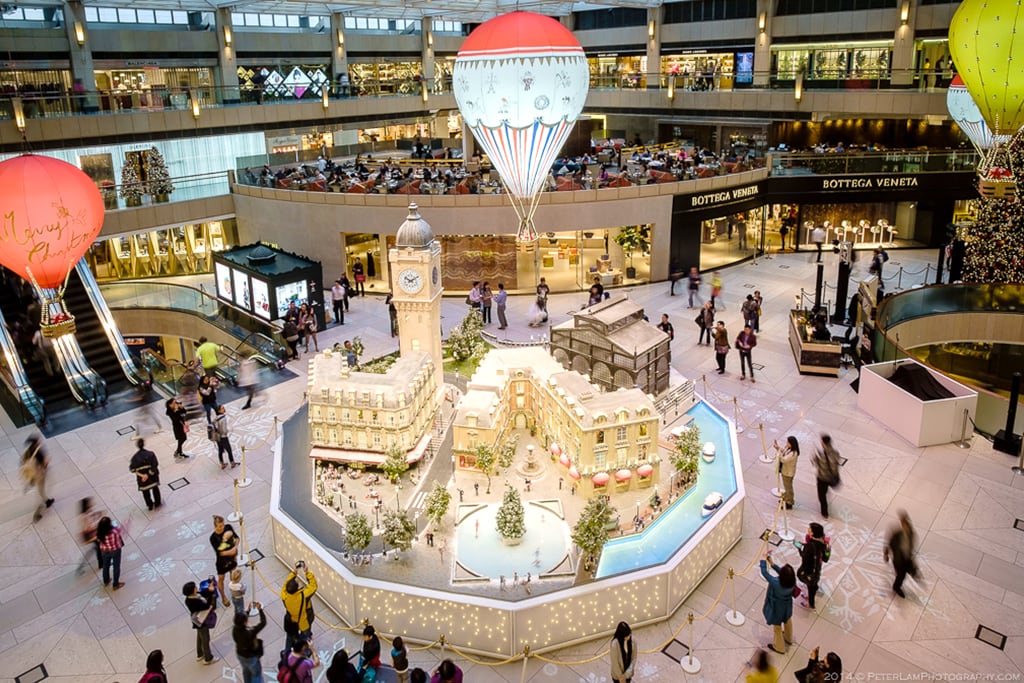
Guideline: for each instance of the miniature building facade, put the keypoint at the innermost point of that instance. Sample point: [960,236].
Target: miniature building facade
[612,344]
[358,416]
[605,441]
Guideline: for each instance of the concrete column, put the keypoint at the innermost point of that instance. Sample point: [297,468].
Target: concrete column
[226,62]
[903,54]
[339,57]
[80,57]
[653,47]
[427,50]
[763,44]
[567,21]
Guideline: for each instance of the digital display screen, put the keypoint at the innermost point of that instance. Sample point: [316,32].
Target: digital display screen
[224,288]
[744,67]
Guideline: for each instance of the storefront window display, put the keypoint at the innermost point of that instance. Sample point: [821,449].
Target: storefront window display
[730,237]
[611,70]
[385,78]
[45,89]
[364,248]
[184,250]
[151,86]
[284,80]
[702,71]
[865,225]
[833,62]
[573,260]
[934,64]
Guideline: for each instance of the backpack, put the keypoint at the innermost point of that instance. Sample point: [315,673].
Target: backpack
[211,433]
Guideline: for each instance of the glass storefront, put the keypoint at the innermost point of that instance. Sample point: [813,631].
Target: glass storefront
[387,78]
[850,63]
[865,225]
[706,70]
[184,250]
[730,237]
[364,249]
[933,63]
[152,86]
[610,70]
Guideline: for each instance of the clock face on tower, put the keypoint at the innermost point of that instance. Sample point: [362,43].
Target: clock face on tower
[410,281]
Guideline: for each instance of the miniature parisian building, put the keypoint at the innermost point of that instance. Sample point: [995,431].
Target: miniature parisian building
[612,344]
[358,416]
[605,441]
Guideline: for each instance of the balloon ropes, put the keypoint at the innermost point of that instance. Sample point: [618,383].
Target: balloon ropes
[51,212]
[986,39]
[520,81]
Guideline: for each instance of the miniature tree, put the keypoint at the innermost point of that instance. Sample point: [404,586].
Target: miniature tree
[465,341]
[358,533]
[686,455]
[510,517]
[131,185]
[507,451]
[158,180]
[395,464]
[438,501]
[398,529]
[591,530]
[485,462]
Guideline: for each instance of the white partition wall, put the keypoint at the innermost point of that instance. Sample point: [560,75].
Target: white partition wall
[922,423]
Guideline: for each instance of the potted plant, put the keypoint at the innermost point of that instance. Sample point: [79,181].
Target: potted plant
[633,238]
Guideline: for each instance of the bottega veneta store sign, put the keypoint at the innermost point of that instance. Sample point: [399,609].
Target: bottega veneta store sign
[870,183]
[724,196]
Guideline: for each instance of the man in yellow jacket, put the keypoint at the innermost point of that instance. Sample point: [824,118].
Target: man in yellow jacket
[298,605]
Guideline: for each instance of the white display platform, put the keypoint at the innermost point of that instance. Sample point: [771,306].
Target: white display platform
[922,423]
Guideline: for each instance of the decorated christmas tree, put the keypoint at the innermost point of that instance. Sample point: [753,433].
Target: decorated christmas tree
[591,531]
[158,181]
[510,516]
[994,244]
[131,186]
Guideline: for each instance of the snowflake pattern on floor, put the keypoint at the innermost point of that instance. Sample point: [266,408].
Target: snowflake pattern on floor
[247,428]
[191,529]
[144,604]
[155,570]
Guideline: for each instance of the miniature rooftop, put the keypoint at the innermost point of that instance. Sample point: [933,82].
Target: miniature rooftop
[620,320]
[265,259]
[501,365]
[329,370]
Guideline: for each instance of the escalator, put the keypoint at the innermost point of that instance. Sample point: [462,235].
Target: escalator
[52,389]
[92,338]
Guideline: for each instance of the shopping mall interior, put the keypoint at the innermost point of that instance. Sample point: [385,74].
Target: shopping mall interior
[715,135]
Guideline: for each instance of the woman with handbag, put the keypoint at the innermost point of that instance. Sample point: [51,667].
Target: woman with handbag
[813,552]
[307,320]
[202,606]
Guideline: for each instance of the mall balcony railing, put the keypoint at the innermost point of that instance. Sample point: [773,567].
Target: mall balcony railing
[133,195]
[858,162]
[50,104]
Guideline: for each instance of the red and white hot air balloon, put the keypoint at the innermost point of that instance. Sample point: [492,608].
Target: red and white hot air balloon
[520,81]
[964,110]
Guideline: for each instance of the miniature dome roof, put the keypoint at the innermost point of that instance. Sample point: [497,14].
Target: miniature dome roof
[262,254]
[414,232]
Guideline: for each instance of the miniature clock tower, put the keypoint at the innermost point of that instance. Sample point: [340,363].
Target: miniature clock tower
[416,288]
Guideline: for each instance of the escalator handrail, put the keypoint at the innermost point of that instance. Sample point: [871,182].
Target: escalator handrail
[237,331]
[170,366]
[109,325]
[278,350]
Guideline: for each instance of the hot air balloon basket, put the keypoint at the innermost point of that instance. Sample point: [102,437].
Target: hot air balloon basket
[58,327]
[997,188]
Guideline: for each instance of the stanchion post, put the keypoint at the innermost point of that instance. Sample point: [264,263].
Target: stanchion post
[733,616]
[244,481]
[736,413]
[764,457]
[689,663]
[964,443]
[785,534]
[240,519]
[899,278]
[526,657]
[236,514]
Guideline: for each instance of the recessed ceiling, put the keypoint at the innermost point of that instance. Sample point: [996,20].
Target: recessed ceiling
[466,11]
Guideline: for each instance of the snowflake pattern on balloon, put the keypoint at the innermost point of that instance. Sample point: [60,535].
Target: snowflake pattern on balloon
[144,604]
[155,570]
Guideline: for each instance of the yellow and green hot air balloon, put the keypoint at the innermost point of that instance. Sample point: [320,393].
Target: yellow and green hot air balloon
[986,39]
